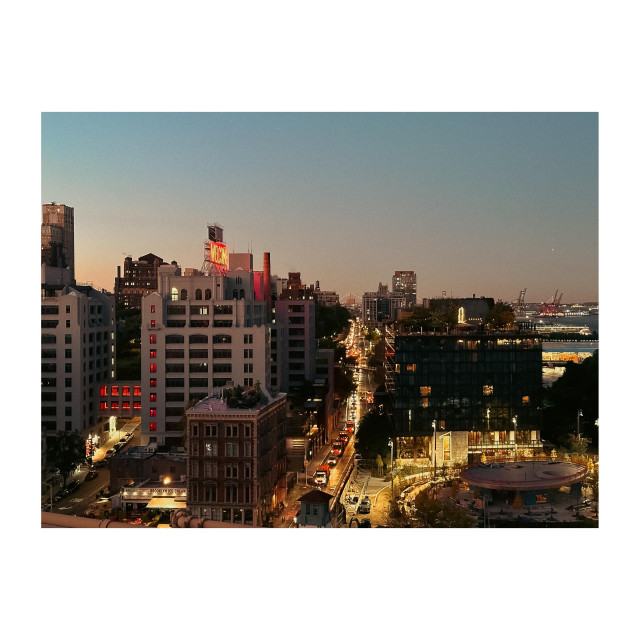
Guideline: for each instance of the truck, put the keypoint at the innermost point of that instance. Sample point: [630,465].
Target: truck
[322,474]
[98,509]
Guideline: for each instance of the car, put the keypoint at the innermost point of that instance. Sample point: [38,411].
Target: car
[118,445]
[124,440]
[74,485]
[357,456]
[364,508]
[365,523]
[110,453]
[332,460]
[91,475]
[128,435]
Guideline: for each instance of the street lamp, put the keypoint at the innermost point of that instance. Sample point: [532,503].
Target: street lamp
[579,415]
[391,446]
[433,424]
[515,434]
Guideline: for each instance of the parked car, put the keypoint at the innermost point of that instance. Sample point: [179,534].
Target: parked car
[110,453]
[357,457]
[364,508]
[366,523]
[124,440]
[91,475]
[74,485]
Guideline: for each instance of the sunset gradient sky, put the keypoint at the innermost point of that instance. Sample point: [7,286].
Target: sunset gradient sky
[484,203]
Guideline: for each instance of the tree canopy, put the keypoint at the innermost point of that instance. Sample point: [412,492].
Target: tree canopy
[66,452]
[500,316]
[331,320]
[429,319]
[373,435]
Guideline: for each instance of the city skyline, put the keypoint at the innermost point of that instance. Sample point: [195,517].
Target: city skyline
[484,203]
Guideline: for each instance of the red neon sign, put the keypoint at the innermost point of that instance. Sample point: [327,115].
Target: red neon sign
[219,254]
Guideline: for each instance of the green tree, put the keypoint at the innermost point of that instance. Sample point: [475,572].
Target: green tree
[66,452]
[500,316]
[431,512]
[331,320]
[373,435]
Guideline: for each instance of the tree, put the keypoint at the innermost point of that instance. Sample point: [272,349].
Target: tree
[66,452]
[500,316]
[373,436]
[380,463]
[431,512]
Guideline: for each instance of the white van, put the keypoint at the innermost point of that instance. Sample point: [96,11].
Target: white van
[98,509]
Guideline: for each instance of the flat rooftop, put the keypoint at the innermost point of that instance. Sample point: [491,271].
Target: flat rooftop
[524,476]
[220,406]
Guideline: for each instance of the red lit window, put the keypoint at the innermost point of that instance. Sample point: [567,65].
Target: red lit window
[152,397]
[104,406]
[152,383]
[126,390]
[153,426]
[152,412]
[152,368]
[152,338]
[115,406]
[137,391]
[137,406]
[153,324]
[152,353]
[103,390]
[126,406]
[153,308]
[114,390]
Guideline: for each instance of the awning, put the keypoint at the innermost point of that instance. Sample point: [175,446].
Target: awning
[167,503]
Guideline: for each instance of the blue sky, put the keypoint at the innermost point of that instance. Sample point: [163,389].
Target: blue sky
[484,203]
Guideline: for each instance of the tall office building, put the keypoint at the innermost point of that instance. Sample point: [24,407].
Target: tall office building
[57,246]
[381,305]
[202,331]
[404,282]
[78,355]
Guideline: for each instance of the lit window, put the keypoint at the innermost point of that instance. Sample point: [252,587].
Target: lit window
[104,406]
[137,406]
[153,308]
[525,400]
[126,406]
[153,324]
[137,391]
[114,390]
[153,426]
[152,383]
[425,391]
[152,412]
[487,390]
[411,367]
[152,338]
[152,353]
[103,390]
[115,406]
[152,397]
[126,390]
[153,368]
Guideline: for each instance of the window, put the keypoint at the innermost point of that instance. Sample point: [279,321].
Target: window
[153,426]
[153,368]
[411,367]
[210,449]
[153,308]
[425,391]
[152,397]
[126,390]
[525,400]
[210,493]
[103,390]
[126,405]
[137,406]
[248,382]
[153,353]
[153,382]
[247,470]
[247,449]
[67,338]
[231,450]
[248,338]
[247,431]
[231,431]
[231,471]
[210,470]
[487,390]
[152,412]
[152,338]
[210,430]
[104,406]
[248,367]
[174,294]
[115,406]
[153,324]
[230,494]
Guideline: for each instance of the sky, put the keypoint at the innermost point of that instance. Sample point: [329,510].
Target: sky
[474,203]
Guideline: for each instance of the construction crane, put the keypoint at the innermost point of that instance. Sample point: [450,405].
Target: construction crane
[550,307]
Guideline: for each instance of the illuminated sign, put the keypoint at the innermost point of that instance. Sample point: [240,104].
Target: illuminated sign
[219,254]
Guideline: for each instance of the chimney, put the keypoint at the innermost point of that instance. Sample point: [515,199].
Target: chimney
[266,285]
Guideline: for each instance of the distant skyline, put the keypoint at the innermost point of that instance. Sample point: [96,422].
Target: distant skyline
[474,203]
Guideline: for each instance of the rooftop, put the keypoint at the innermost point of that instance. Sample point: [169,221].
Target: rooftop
[221,406]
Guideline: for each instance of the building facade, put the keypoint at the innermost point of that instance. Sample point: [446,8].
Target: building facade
[200,333]
[404,282]
[381,306]
[77,356]
[57,242]
[140,277]
[236,458]
[486,384]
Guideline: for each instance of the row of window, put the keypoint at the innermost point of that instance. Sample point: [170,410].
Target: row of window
[180,310]
[115,390]
[115,406]
[210,470]
[209,494]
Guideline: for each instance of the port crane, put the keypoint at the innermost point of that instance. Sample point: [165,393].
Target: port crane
[550,307]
